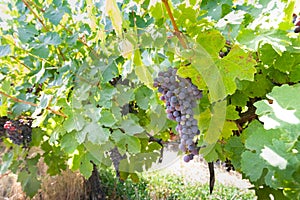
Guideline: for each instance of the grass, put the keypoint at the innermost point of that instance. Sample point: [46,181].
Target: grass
[167,187]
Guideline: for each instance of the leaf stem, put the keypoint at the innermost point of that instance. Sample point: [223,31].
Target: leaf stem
[177,33]
[31,104]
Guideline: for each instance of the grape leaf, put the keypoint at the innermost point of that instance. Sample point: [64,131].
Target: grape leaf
[74,122]
[247,165]
[282,111]
[4,50]
[127,142]
[28,178]
[69,142]
[6,161]
[231,113]
[114,13]
[41,51]
[141,70]
[107,118]
[131,127]
[235,147]
[236,65]
[51,38]
[142,96]
[212,41]
[254,40]
[295,74]
[228,128]
[106,94]
[124,95]
[86,167]
[95,133]
[54,15]
[285,62]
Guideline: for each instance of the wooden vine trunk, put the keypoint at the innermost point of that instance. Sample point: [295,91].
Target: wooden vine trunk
[93,186]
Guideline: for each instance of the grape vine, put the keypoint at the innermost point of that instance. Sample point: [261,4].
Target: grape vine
[88,75]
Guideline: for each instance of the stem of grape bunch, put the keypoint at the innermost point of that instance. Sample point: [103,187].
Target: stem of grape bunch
[178,94]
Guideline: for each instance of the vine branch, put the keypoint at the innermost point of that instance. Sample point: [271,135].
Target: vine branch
[21,63]
[31,104]
[176,32]
[31,10]
[160,142]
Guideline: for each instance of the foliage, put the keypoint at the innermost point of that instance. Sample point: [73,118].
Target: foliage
[156,186]
[83,71]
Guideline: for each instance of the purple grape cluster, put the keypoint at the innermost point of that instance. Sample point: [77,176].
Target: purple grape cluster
[19,131]
[180,97]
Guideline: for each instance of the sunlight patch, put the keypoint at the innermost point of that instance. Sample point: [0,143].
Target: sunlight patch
[269,123]
[283,114]
[273,158]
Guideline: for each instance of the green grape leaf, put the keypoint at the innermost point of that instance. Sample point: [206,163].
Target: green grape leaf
[267,54]
[95,133]
[42,51]
[266,193]
[236,65]
[28,178]
[27,32]
[74,122]
[141,70]
[157,10]
[114,13]
[295,74]
[131,127]
[211,41]
[106,94]
[235,148]
[228,128]
[126,142]
[254,40]
[107,118]
[250,87]
[192,73]
[86,167]
[231,113]
[96,150]
[69,142]
[285,62]
[6,161]
[4,50]
[252,169]
[282,111]
[124,95]
[142,96]
[159,36]
[157,120]
[54,15]
[239,98]
[51,38]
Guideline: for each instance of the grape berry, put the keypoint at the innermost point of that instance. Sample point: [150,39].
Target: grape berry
[180,97]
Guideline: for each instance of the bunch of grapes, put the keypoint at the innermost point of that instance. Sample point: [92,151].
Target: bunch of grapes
[180,97]
[225,50]
[18,131]
[297,23]
[228,165]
